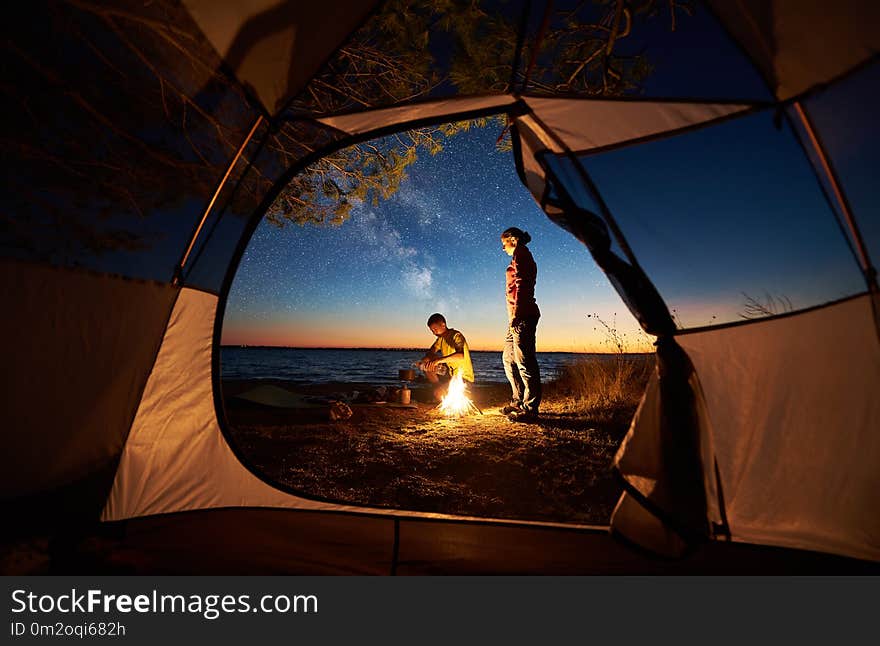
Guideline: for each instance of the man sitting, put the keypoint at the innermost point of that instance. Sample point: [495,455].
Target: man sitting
[447,357]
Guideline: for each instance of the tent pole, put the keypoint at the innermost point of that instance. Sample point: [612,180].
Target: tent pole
[867,268]
[178,271]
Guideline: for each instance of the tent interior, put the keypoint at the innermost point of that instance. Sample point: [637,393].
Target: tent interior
[712,159]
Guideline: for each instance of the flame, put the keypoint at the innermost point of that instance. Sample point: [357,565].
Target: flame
[456,402]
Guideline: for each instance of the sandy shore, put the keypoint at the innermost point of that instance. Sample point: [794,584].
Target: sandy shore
[557,469]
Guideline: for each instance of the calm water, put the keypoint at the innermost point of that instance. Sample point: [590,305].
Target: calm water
[368,366]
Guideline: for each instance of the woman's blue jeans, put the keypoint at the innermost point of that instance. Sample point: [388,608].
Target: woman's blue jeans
[521,365]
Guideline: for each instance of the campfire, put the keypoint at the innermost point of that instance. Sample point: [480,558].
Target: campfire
[456,403]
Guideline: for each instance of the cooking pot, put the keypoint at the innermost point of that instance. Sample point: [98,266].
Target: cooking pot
[407,375]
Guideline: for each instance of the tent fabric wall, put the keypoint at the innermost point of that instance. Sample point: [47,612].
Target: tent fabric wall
[795,417]
[578,125]
[798,44]
[644,528]
[788,411]
[667,462]
[362,122]
[79,346]
[274,47]
[176,457]
[586,124]
[532,140]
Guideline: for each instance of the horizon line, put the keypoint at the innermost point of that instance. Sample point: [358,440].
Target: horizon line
[388,348]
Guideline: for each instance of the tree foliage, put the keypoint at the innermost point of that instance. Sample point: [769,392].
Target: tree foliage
[365,173]
[419,48]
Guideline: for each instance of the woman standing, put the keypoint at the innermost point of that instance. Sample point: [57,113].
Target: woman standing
[520,362]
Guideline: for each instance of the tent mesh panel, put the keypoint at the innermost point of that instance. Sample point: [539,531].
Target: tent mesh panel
[729,221]
[845,118]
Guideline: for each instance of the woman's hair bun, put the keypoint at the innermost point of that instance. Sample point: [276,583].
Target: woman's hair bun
[521,236]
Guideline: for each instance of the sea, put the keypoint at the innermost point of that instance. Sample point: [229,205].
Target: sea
[378,367]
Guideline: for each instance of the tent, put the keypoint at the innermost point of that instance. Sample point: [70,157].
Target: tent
[143,142]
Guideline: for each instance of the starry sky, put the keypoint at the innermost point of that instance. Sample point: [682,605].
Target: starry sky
[432,247]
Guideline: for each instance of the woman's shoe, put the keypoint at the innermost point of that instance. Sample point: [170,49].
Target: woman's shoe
[524,417]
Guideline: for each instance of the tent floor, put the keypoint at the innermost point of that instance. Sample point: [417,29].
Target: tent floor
[272,541]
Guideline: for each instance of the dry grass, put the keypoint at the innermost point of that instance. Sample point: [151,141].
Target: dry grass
[604,387]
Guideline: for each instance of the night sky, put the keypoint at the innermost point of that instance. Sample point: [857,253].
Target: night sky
[433,247]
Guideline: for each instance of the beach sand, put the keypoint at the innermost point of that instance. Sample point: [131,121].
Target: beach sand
[558,469]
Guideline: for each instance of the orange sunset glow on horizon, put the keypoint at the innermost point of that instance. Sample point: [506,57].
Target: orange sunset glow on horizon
[480,337]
